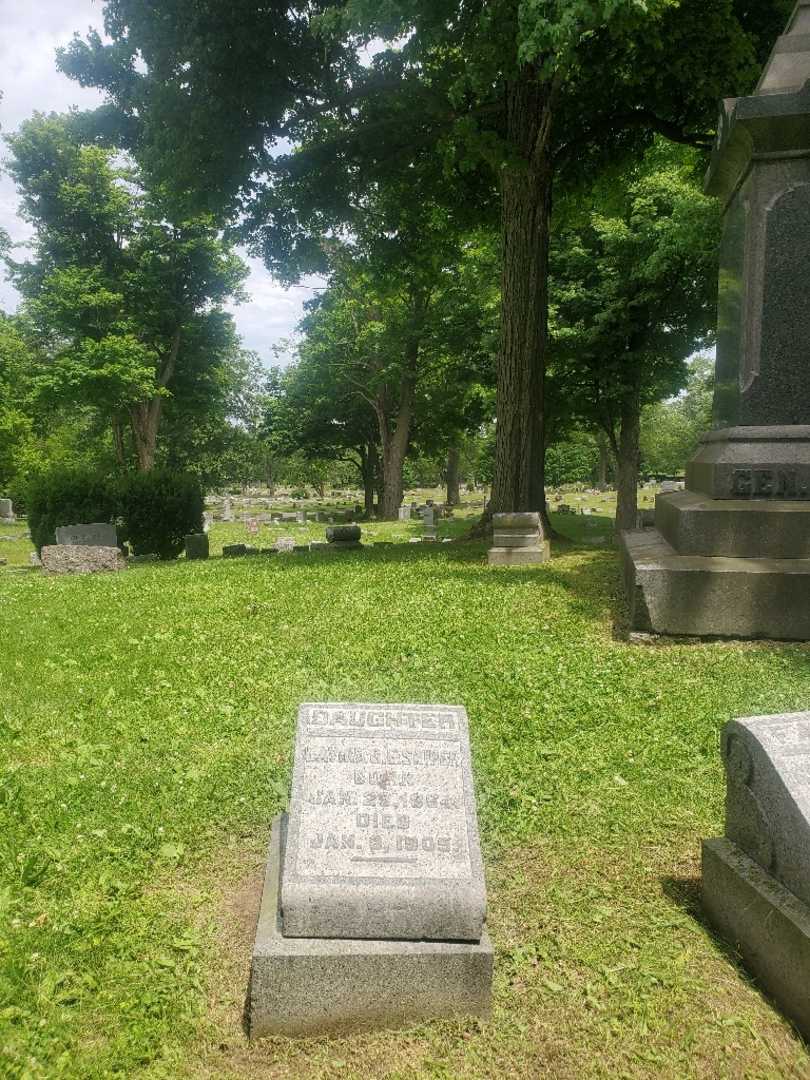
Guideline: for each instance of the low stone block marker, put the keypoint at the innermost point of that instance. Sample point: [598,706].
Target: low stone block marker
[232,551]
[344,537]
[374,904]
[756,879]
[197,546]
[518,540]
[81,559]
[7,510]
[98,534]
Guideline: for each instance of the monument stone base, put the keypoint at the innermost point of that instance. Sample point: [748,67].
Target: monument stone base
[713,596]
[764,921]
[316,986]
[519,556]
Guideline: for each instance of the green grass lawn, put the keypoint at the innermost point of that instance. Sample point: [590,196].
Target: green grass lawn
[146,723]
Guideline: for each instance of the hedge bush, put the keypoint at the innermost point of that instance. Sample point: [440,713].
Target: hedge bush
[159,509]
[153,511]
[65,496]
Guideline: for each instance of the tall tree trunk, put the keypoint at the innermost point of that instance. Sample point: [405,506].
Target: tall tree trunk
[118,441]
[627,460]
[525,212]
[145,420]
[370,477]
[453,462]
[394,447]
[144,417]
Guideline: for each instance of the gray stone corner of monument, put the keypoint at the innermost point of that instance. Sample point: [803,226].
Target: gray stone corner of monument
[756,879]
[374,904]
[517,540]
[730,555]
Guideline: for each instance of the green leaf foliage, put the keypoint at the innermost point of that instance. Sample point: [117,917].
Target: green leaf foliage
[159,509]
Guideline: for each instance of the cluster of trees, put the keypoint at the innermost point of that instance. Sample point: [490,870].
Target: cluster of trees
[503,197]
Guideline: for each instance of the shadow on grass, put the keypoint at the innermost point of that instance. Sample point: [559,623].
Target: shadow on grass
[686,893]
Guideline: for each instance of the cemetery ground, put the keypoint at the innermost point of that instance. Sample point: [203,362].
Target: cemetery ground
[146,730]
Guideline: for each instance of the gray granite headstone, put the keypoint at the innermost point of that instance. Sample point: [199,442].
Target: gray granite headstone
[756,878]
[767,760]
[383,836]
[6,510]
[99,534]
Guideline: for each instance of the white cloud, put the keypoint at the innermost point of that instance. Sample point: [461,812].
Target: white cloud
[29,82]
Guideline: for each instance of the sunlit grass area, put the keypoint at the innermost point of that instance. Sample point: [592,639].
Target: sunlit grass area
[146,724]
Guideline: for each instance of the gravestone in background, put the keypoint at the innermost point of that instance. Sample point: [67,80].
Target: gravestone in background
[197,546]
[730,555]
[517,540]
[344,537]
[373,912]
[6,510]
[756,879]
[99,534]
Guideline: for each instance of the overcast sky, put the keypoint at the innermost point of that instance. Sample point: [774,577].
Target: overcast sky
[30,31]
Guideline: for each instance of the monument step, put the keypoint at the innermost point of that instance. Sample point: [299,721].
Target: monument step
[712,596]
[694,524]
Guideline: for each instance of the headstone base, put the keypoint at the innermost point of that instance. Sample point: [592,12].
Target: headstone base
[519,556]
[317,986]
[766,923]
[81,559]
[700,596]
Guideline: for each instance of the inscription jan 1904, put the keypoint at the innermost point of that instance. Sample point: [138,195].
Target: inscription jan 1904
[382,840]
[381,793]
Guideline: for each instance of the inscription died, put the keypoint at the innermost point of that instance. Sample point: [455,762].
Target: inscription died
[382,839]
[382,793]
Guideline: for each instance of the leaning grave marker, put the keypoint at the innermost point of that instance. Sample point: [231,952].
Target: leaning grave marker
[373,912]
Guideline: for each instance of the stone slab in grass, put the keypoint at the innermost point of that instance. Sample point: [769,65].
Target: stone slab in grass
[315,986]
[81,559]
[383,839]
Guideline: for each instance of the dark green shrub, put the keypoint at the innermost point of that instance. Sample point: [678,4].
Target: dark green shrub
[160,509]
[67,497]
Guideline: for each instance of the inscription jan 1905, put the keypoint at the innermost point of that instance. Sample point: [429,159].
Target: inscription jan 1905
[381,794]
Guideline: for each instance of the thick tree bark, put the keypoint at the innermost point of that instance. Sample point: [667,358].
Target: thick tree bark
[369,469]
[525,212]
[118,441]
[394,447]
[144,417]
[627,460]
[453,462]
[145,420]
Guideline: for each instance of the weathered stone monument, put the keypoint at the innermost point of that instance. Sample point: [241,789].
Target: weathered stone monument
[404,513]
[197,546]
[98,534]
[374,903]
[7,510]
[756,879]
[517,540]
[730,555]
[344,537]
